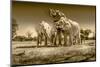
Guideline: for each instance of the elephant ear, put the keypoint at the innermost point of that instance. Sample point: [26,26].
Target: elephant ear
[61,14]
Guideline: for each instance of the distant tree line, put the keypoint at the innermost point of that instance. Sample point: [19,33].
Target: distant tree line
[85,34]
[24,38]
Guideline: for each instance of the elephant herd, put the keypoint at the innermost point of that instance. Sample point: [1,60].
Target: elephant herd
[63,32]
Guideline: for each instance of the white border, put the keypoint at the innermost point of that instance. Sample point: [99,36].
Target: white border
[84,2]
[5,32]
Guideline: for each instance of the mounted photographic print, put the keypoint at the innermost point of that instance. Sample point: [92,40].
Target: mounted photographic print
[52,33]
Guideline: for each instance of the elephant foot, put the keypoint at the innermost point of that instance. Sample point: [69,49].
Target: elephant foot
[70,44]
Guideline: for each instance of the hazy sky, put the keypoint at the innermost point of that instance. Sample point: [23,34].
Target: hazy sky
[29,14]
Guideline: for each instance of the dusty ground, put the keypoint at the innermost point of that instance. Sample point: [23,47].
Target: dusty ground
[26,53]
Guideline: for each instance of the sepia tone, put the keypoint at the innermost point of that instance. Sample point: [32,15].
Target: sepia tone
[49,33]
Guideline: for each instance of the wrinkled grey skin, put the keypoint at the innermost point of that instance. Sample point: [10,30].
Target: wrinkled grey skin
[69,28]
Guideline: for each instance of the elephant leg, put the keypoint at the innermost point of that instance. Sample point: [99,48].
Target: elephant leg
[45,40]
[59,38]
[37,41]
[75,40]
[70,39]
[51,40]
[79,41]
[65,39]
[55,40]
[40,39]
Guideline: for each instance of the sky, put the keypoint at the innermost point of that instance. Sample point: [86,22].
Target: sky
[29,14]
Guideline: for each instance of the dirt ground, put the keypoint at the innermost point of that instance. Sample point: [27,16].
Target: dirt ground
[26,53]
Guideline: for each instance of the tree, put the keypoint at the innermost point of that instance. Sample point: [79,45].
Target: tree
[87,32]
[14,28]
[84,34]
[29,36]
[20,38]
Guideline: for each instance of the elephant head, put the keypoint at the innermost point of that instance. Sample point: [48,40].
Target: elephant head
[56,14]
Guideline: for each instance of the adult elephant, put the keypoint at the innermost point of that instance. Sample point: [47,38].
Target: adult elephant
[70,29]
[46,33]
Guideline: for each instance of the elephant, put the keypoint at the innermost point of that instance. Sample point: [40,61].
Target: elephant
[70,29]
[45,32]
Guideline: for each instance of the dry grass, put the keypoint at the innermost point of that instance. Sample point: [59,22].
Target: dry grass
[44,55]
